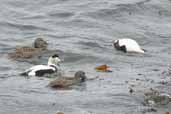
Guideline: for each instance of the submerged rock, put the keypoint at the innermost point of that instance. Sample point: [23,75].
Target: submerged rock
[131,90]
[149,110]
[155,98]
[168,71]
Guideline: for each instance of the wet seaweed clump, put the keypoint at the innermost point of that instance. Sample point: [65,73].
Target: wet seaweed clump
[155,98]
[60,113]
[167,112]
[103,68]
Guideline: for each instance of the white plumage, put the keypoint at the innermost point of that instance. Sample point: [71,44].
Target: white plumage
[40,70]
[32,71]
[128,45]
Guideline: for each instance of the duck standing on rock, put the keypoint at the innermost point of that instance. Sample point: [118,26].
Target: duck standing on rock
[127,45]
[40,70]
[64,82]
[28,52]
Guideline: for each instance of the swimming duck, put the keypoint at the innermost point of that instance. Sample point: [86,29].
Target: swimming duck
[28,52]
[127,45]
[40,70]
[62,82]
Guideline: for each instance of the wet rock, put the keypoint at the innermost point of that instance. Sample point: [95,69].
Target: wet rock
[163,82]
[155,98]
[167,72]
[53,104]
[126,82]
[137,79]
[156,70]
[140,74]
[132,85]
[149,110]
[131,90]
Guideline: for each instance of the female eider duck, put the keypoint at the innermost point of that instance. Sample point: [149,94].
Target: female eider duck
[62,82]
[41,70]
[128,45]
[28,52]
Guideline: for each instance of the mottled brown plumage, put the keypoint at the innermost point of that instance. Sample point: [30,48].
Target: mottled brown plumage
[40,43]
[62,81]
[28,52]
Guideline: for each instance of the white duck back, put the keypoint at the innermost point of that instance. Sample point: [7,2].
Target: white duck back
[131,45]
[32,70]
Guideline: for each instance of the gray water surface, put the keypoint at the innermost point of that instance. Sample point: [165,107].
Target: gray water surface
[83,31]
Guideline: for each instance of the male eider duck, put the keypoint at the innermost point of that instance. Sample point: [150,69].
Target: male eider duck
[41,70]
[28,52]
[127,45]
[63,82]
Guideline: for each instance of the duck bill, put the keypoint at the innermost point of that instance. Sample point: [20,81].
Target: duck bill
[60,59]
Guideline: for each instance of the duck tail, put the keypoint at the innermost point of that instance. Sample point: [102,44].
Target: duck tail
[140,51]
[144,50]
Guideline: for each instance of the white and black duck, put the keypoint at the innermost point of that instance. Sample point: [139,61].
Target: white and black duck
[128,45]
[40,70]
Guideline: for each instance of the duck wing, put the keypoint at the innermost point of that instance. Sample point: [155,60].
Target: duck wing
[39,70]
[60,82]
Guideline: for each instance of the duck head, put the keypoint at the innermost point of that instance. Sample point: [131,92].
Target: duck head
[80,75]
[116,44]
[40,43]
[54,60]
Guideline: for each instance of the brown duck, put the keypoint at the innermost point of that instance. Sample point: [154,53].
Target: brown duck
[64,82]
[28,52]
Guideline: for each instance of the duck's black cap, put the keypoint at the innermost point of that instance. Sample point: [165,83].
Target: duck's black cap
[55,55]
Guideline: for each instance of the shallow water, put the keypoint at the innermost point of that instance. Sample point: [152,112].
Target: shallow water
[83,31]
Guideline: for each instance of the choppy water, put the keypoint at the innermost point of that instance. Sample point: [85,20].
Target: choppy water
[83,30]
